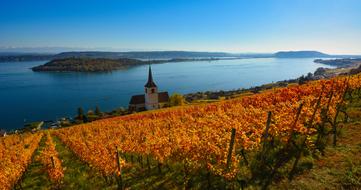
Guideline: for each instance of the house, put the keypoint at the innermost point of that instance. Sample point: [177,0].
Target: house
[152,99]
[2,133]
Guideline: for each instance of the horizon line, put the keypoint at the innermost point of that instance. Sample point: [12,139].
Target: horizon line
[52,50]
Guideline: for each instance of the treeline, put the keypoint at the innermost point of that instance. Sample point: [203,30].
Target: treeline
[87,64]
[151,55]
[102,64]
[339,62]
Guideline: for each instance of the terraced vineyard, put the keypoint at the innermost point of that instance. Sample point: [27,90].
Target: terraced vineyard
[254,141]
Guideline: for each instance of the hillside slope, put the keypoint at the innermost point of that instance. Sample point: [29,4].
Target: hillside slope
[278,139]
[340,167]
[301,54]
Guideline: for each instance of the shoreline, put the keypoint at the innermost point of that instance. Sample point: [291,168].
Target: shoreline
[320,73]
[97,65]
[212,96]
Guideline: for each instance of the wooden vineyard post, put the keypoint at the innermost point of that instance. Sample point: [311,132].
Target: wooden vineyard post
[321,128]
[243,154]
[265,137]
[52,162]
[283,157]
[334,123]
[299,152]
[120,180]
[140,160]
[148,164]
[159,167]
[268,124]
[231,144]
[295,122]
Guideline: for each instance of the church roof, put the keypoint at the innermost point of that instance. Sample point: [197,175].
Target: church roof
[140,99]
[150,82]
[137,99]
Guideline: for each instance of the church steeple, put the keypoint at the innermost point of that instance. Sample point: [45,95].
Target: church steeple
[150,82]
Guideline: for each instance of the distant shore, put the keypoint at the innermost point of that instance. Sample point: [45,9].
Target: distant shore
[343,67]
[159,55]
[106,65]
[210,96]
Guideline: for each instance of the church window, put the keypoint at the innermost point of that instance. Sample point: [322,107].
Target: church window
[153,90]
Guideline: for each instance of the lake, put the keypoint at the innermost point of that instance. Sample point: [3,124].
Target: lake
[27,96]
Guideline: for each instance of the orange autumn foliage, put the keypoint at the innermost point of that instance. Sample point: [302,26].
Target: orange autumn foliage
[199,135]
[15,155]
[50,160]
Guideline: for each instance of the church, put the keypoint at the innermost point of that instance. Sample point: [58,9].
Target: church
[152,99]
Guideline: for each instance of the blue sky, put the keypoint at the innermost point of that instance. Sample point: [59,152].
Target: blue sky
[331,26]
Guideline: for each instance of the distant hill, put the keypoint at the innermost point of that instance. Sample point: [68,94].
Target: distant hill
[301,54]
[160,55]
[143,55]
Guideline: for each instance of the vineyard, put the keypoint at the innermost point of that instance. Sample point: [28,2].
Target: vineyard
[16,152]
[253,141]
[49,158]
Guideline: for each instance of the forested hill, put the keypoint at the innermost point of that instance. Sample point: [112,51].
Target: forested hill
[162,55]
[87,64]
[101,64]
[300,54]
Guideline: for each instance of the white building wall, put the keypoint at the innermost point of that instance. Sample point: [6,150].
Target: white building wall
[151,98]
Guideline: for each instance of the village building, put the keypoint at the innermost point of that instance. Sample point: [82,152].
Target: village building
[152,99]
[2,133]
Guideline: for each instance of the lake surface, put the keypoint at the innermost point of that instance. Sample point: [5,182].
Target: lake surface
[27,96]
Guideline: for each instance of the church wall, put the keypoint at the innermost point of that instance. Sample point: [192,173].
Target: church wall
[151,98]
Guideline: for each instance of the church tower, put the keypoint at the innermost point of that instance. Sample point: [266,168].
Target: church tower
[151,93]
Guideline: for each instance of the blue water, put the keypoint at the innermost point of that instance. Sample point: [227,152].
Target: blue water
[27,96]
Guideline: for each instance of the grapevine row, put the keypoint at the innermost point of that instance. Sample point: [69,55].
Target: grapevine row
[199,136]
[50,160]
[15,155]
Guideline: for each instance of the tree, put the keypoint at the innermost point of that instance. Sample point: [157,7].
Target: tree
[309,76]
[176,100]
[97,111]
[80,113]
[302,80]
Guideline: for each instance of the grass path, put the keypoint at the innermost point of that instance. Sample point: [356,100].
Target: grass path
[77,175]
[36,177]
[339,168]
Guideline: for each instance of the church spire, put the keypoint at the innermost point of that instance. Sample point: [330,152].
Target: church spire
[150,82]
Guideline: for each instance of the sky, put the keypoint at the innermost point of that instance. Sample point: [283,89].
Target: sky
[258,26]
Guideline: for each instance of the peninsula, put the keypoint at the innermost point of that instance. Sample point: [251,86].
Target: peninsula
[101,64]
[340,63]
